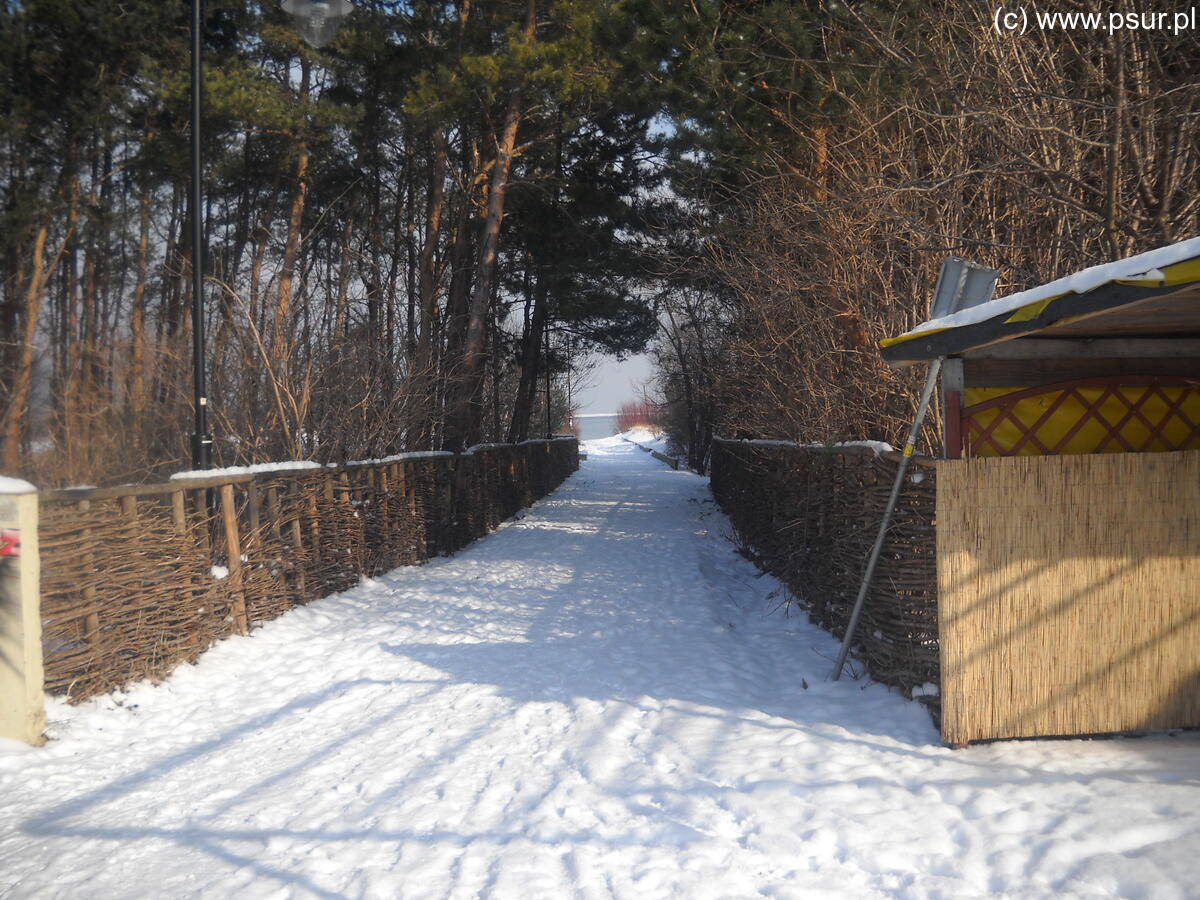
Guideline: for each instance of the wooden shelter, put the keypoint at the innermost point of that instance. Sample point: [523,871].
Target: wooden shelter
[1044,373]
[1068,575]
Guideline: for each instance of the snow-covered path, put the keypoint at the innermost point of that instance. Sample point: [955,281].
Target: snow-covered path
[592,702]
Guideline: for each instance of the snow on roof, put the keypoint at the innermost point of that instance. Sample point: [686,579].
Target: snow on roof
[15,486]
[1145,267]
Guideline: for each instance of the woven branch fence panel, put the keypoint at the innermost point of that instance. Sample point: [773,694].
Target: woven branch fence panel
[137,579]
[809,515]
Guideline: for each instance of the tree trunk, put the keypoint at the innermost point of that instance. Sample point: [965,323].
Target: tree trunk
[292,245]
[421,372]
[137,326]
[458,298]
[464,415]
[531,348]
[12,426]
[340,315]
[283,302]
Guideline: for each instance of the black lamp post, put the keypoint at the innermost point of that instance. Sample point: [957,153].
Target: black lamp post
[201,439]
[549,432]
[317,21]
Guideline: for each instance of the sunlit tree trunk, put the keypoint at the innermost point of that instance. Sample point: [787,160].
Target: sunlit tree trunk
[136,400]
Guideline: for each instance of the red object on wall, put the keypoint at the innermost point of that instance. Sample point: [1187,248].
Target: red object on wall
[10,542]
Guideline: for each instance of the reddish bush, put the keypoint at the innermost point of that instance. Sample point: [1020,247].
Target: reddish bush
[635,413]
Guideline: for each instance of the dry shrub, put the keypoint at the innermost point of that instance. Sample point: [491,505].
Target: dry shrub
[635,413]
[1036,155]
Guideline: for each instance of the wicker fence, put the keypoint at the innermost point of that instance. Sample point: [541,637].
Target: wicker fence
[137,579]
[810,516]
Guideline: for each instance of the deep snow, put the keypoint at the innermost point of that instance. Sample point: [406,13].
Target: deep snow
[602,699]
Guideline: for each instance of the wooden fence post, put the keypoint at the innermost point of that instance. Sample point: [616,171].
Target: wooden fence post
[91,624]
[22,710]
[233,548]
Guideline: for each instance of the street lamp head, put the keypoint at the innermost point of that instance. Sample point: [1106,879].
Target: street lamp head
[317,20]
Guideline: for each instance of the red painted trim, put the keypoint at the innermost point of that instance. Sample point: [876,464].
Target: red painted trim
[953,437]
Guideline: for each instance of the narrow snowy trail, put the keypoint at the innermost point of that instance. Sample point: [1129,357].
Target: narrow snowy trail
[595,701]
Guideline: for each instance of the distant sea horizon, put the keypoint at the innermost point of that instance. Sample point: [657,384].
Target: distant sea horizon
[596,425]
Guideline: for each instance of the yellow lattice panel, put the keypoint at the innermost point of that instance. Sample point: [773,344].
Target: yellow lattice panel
[1095,416]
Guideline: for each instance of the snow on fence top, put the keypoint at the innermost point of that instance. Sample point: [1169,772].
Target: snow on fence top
[257,468]
[557,437]
[878,449]
[214,477]
[299,464]
[876,446]
[396,457]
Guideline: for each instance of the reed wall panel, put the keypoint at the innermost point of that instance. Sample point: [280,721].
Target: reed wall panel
[1069,594]
[138,579]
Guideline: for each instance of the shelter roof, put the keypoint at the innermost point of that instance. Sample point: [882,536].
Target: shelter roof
[1153,294]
